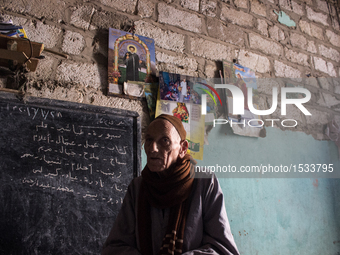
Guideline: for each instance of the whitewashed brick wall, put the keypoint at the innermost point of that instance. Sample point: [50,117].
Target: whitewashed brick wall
[191,37]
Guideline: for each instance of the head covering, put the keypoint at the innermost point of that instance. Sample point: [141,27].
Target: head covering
[176,122]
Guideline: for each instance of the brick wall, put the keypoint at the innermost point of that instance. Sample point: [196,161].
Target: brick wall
[191,37]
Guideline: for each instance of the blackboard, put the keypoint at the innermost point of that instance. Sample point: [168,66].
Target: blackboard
[65,168]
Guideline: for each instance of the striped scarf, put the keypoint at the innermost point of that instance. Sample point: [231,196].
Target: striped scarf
[167,189]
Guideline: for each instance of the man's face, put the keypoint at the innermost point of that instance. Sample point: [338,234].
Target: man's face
[132,49]
[163,145]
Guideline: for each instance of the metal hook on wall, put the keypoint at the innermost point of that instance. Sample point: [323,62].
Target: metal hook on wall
[235,61]
[132,29]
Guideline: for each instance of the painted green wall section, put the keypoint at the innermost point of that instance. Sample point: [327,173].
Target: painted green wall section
[277,148]
[282,215]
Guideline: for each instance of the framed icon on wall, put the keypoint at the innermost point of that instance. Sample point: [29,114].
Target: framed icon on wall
[131,63]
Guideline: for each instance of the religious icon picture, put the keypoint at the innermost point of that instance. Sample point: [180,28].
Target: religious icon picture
[181,112]
[131,60]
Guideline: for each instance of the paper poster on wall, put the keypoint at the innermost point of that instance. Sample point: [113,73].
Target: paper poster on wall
[131,58]
[176,97]
[248,123]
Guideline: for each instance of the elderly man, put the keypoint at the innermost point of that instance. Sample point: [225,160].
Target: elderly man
[166,210]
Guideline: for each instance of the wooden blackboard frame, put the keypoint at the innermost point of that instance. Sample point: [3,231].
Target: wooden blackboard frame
[8,233]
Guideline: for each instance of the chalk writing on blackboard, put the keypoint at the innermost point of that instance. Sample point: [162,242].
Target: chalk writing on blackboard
[54,142]
[65,169]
